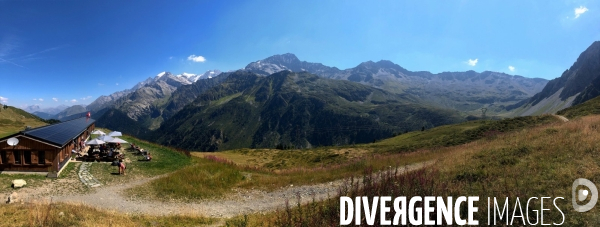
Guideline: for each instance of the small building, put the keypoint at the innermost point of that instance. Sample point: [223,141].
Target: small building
[44,149]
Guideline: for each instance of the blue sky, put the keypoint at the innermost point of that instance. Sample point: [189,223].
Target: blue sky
[71,52]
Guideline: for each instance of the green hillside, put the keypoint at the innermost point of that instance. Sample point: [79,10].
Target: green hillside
[456,134]
[590,107]
[531,162]
[13,120]
[294,110]
[118,121]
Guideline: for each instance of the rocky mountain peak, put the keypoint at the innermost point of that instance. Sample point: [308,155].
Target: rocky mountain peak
[578,84]
[287,58]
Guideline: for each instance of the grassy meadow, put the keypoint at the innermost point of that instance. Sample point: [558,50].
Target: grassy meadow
[13,120]
[533,162]
[452,135]
[45,213]
[589,107]
[519,157]
[214,175]
[164,160]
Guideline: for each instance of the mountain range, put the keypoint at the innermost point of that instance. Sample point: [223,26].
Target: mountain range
[294,109]
[282,100]
[155,102]
[146,104]
[579,83]
[47,111]
[463,91]
[164,83]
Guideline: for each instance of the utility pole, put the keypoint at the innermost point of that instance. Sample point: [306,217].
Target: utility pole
[483,110]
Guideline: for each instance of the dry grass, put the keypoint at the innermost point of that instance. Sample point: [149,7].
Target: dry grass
[326,213]
[269,169]
[549,156]
[532,162]
[214,176]
[541,161]
[45,213]
[274,159]
[13,120]
[453,135]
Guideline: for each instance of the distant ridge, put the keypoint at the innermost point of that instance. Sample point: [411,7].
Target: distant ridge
[463,91]
[294,109]
[581,82]
[155,100]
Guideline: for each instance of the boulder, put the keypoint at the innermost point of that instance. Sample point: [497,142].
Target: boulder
[18,183]
[12,198]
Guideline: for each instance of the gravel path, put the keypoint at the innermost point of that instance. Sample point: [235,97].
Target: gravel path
[239,203]
[562,118]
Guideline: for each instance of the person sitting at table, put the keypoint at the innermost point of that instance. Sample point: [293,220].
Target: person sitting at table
[110,153]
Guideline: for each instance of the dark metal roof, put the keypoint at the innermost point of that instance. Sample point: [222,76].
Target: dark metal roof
[62,133]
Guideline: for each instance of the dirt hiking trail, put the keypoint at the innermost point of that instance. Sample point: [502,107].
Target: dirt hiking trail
[239,202]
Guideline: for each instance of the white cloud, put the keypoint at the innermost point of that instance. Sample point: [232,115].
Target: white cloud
[580,10]
[73,100]
[41,100]
[55,99]
[3,99]
[117,84]
[472,62]
[87,97]
[34,99]
[100,84]
[195,58]
[511,68]
[170,57]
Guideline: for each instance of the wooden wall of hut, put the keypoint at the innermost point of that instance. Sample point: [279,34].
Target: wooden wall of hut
[27,155]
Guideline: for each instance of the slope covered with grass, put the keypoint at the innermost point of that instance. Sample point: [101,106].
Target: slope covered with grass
[533,162]
[46,214]
[294,109]
[216,174]
[13,120]
[451,135]
[589,107]
[164,160]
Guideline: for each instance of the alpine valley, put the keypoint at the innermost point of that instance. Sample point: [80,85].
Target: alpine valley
[283,101]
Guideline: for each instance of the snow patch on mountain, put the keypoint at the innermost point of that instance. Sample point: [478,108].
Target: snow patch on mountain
[192,78]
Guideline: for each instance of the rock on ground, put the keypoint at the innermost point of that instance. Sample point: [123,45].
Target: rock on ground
[18,183]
